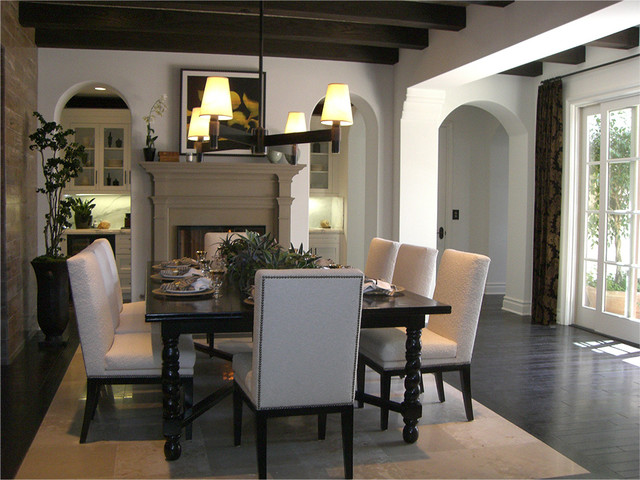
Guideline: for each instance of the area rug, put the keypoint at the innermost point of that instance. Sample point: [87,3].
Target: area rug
[125,439]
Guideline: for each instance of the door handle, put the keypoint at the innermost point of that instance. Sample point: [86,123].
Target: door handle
[441,233]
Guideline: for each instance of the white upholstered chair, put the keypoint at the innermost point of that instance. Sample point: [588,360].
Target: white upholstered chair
[306,329]
[224,345]
[110,358]
[447,341]
[130,316]
[415,270]
[381,259]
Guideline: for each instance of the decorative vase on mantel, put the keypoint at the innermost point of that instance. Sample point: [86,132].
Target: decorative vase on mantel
[149,154]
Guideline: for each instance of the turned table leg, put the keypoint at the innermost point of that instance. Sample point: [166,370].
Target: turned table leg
[171,409]
[412,408]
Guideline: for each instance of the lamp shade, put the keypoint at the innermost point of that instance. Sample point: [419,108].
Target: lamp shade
[295,123]
[337,105]
[216,100]
[198,126]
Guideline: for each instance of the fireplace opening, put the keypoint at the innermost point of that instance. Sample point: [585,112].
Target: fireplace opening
[191,237]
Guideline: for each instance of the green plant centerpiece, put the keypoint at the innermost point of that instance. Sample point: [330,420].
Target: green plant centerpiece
[61,161]
[82,211]
[248,253]
[157,109]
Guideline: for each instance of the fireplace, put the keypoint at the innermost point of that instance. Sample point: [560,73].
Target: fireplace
[219,194]
[191,237]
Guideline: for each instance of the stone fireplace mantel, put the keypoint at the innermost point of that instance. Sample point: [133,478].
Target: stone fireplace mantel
[211,194]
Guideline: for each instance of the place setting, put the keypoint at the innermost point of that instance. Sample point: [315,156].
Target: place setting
[376,287]
[187,277]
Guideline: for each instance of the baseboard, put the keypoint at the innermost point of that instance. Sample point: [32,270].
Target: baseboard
[516,306]
[495,288]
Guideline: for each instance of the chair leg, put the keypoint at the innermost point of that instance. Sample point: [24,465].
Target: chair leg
[210,342]
[347,441]
[421,384]
[385,395]
[360,382]
[93,392]
[188,403]
[237,415]
[465,383]
[261,443]
[322,426]
[439,385]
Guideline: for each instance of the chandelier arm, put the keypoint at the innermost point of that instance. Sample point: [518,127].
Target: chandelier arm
[311,136]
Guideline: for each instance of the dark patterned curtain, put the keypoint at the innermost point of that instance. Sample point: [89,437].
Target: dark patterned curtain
[548,179]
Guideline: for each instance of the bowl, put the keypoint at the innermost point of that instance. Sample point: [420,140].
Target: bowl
[275,156]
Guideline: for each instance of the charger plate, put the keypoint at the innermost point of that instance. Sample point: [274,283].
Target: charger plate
[184,293]
[396,292]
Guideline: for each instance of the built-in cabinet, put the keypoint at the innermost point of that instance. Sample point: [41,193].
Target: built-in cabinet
[105,135]
[327,244]
[321,170]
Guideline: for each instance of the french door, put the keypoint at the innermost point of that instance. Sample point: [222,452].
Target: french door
[608,296]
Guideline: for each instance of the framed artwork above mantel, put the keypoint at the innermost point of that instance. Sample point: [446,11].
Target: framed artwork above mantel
[245,100]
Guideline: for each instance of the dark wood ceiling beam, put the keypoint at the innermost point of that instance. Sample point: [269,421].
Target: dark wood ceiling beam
[533,69]
[573,56]
[63,16]
[624,40]
[212,44]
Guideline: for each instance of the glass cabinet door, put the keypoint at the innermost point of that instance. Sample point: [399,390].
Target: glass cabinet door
[86,136]
[319,166]
[113,170]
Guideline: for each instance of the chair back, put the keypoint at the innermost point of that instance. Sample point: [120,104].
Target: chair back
[212,241]
[306,333]
[381,259]
[460,283]
[109,270]
[93,313]
[415,269]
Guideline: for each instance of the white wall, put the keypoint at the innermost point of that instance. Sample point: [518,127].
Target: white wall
[141,77]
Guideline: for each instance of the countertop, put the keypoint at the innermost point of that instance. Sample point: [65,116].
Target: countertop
[97,231]
[326,230]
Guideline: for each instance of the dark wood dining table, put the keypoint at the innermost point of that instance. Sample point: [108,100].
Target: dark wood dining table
[230,313]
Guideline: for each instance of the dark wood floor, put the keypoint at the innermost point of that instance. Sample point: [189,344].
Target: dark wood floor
[552,382]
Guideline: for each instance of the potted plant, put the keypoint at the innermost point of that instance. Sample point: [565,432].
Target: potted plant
[82,211]
[63,164]
[157,109]
[248,253]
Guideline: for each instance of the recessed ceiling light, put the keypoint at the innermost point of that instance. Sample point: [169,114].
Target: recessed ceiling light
[99,88]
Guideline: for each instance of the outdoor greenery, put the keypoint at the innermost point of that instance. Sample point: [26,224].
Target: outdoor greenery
[618,195]
[64,164]
[248,253]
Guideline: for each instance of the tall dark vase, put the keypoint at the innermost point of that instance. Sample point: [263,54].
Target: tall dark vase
[52,277]
[149,154]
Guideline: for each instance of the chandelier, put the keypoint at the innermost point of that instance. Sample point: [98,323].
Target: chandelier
[210,135]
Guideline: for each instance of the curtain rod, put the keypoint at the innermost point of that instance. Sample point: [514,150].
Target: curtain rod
[591,68]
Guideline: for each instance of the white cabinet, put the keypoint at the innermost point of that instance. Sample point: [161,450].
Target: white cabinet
[326,244]
[320,169]
[123,260]
[106,136]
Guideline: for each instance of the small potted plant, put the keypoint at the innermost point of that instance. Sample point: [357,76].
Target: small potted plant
[82,211]
[64,163]
[157,109]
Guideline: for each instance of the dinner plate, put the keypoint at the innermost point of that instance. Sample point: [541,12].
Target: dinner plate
[386,293]
[183,293]
[161,278]
[249,301]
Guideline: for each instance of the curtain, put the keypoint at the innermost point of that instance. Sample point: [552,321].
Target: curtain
[548,186]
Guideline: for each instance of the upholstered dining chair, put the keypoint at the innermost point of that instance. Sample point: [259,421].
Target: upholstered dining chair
[129,317]
[110,358]
[312,317]
[381,259]
[224,345]
[415,271]
[447,340]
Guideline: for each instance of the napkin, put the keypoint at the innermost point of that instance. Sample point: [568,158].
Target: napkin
[187,284]
[372,285]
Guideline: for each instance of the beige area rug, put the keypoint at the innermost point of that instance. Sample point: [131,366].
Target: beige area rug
[125,439]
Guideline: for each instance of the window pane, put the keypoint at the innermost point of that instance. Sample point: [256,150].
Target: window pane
[590,283]
[615,294]
[593,200]
[592,235]
[620,133]
[619,186]
[618,241]
[593,137]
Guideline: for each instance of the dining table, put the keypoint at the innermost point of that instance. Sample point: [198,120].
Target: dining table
[231,312]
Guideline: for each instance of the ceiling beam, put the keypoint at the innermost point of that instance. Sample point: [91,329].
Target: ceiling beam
[624,40]
[212,44]
[573,56]
[533,69]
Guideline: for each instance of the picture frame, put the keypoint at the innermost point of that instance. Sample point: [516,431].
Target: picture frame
[245,96]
